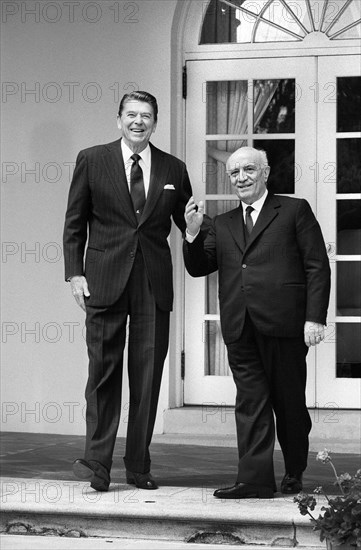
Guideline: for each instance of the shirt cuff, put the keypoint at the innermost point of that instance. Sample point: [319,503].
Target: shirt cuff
[190,238]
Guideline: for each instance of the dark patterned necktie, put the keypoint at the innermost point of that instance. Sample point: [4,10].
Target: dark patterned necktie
[249,221]
[137,191]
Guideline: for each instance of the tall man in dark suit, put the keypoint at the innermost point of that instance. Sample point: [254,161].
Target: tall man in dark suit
[274,282]
[122,198]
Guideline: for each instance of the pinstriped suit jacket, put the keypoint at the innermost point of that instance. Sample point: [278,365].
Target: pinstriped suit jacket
[101,232]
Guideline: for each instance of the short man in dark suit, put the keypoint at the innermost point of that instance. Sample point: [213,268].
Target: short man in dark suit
[274,283]
[121,201]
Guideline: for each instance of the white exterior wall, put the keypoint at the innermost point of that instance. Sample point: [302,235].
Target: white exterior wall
[65,66]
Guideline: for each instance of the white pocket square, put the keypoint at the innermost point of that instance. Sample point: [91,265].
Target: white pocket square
[169,186]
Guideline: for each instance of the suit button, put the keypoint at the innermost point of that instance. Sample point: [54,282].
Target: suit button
[244,266]
[132,254]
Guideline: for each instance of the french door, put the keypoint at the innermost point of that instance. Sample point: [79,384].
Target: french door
[274,104]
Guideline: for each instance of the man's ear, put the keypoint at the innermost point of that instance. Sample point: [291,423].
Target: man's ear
[119,123]
[154,127]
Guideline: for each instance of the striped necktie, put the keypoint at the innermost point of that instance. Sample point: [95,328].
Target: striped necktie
[137,191]
[249,221]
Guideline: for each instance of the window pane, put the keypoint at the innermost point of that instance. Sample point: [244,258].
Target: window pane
[287,19]
[348,350]
[348,288]
[274,106]
[298,8]
[349,16]
[226,106]
[224,24]
[349,165]
[216,361]
[317,7]
[220,24]
[281,158]
[349,227]
[354,32]
[211,306]
[214,170]
[349,104]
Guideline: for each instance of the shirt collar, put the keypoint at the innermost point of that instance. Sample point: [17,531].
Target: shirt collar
[257,205]
[127,153]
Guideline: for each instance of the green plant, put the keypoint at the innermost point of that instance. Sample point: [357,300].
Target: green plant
[341,520]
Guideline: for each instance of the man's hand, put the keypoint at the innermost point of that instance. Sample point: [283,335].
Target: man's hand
[79,288]
[314,333]
[194,216]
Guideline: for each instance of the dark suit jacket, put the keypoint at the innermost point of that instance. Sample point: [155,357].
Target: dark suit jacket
[100,210]
[282,276]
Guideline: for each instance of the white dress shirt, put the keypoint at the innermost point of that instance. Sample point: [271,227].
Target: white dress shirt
[257,207]
[144,163]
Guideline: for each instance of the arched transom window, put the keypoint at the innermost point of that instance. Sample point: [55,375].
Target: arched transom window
[245,21]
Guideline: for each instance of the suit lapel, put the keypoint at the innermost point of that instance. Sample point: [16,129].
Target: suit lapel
[236,226]
[236,222]
[158,178]
[114,164]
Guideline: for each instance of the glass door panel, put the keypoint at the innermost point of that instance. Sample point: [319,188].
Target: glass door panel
[348,104]
[274,106]
[281,157]
[348,237]
[348,164]
[226,102]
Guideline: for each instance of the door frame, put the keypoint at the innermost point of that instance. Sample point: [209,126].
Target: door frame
[350,392]
[198,387]
[322,388]
[185,32]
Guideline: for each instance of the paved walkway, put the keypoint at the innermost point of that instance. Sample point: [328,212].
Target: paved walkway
[41,497]
[177,461]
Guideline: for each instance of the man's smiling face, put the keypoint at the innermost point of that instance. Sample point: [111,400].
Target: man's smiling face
[137,124]
[248,174]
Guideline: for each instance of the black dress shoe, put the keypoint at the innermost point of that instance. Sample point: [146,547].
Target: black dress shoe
[244,490]
[291,484]
[92,470]
[142,481]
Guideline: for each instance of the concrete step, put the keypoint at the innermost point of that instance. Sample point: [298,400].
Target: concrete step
[33,542]
[336,429]
[73,509]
